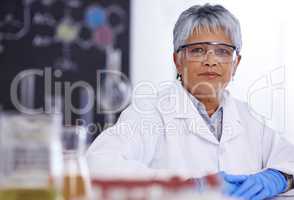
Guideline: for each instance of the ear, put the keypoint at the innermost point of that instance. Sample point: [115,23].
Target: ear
[236,64]
[178,62]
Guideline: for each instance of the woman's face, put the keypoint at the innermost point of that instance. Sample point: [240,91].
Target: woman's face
[208,75]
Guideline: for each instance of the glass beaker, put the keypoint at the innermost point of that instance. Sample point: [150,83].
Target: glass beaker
[77,184]
[31,157]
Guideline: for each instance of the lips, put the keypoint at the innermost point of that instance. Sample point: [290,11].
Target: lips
[209,74]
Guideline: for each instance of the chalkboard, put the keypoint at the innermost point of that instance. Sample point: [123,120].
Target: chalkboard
[69,40]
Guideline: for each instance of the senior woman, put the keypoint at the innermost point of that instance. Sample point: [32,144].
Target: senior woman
[193,126]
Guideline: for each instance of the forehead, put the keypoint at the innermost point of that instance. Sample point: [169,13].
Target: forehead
[209,36]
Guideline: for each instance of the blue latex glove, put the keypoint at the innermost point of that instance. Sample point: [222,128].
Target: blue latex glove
[266,184]
[228,188]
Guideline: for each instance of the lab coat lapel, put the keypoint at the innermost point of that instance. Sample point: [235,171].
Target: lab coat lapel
[198,127]
[232,126]
[185,110]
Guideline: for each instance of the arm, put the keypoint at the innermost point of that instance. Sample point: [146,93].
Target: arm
[127,147]
[278,154]
[277,174]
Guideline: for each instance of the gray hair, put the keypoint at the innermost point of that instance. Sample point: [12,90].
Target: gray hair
[210,18]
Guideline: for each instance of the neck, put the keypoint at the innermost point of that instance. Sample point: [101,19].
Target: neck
[210,103]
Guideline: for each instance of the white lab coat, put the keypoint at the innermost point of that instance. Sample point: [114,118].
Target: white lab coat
[164,133]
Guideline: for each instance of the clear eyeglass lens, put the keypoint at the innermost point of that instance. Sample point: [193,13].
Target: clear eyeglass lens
[222,53]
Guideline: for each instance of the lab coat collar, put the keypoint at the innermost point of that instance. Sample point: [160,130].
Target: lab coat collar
[184,106]
[185,109]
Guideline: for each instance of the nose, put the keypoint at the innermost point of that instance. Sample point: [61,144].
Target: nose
[210,59]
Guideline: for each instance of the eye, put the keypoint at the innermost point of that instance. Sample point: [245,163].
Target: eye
[223,52]
[196,50]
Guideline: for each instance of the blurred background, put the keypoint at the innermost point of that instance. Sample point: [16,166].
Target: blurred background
[86,56]
[68,56]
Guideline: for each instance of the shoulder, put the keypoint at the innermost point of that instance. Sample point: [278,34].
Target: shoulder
[246,113]
[151,103]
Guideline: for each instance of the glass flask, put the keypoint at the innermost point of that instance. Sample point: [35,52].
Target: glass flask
[31,157]
[76,174]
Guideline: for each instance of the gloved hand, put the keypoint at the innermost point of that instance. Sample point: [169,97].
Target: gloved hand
[229,187]
[266,184]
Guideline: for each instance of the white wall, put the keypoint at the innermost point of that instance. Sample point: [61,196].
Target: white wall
[265,75]
[289,63]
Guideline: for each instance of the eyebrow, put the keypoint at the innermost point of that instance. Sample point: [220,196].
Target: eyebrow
[214,43]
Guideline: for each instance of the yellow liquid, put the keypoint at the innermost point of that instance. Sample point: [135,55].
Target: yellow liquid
[28,194]
[74,187]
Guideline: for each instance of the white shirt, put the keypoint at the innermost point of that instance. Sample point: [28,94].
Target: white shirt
[215,121]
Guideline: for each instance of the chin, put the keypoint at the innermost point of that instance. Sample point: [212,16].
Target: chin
[205,87]
[204,91]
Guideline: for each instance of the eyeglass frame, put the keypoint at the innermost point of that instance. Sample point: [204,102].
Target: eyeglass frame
[207,43]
